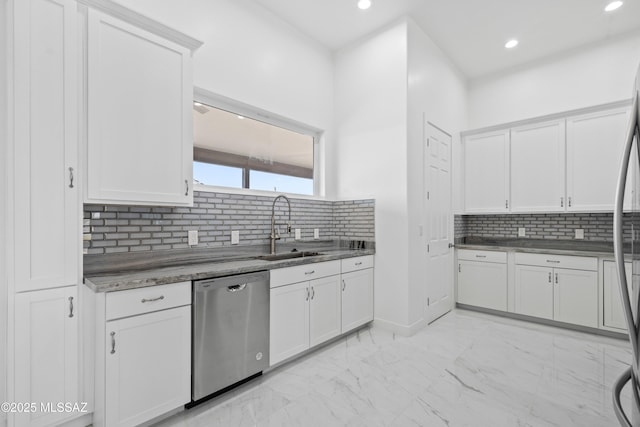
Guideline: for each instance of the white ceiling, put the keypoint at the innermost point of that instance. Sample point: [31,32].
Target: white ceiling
[471,32]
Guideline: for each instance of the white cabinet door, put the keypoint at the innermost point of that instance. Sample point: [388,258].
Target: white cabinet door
[537,167]
[482,284]
[612,311]
[486,172]
[595,143]
[325,309]
[46,353]
[148,366]
[289,321]
[140,94]
[534,291]
[575,297]
[45,209]
[357,298]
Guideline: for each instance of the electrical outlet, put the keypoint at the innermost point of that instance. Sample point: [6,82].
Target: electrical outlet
[298,234]
[316,233]
[193,237]
[235,237]
[579,233]
[95,215]
[522,232]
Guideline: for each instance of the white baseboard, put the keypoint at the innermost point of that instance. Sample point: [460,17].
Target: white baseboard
[83,421]
[403,330]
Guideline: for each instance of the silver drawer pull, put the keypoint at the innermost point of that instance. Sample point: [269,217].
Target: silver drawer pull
[307,295]
[70,306]
[236,288]
[313,292]
[113,342]
[358,263]
[161,297]
[309,272]
[344,285]
[70,177]
[553,261]
[481,256]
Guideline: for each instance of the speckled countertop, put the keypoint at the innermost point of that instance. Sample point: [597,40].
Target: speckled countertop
[121,272]
[560,247]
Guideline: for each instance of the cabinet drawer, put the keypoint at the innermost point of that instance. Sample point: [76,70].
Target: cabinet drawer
[486,256]
[300,273]
[144,300]
[558,261]
[357,263]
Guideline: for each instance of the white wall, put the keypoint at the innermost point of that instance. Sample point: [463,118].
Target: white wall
[437,90]
[371,152]
[589,76]
[3,205]
[252,56]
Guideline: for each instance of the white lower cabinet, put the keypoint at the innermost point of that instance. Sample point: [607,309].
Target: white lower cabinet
[534,291]
[303,315]
[148,365]
[575,297]
[482,279]
[557,287]
[143,354]
[612,311]
[46,354]
[357,298]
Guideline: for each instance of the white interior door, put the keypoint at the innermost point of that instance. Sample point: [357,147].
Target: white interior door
[437,199]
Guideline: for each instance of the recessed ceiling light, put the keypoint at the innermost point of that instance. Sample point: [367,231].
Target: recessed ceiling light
[241,117]
[511,44]
[364,4]
[613,6]
[197,104]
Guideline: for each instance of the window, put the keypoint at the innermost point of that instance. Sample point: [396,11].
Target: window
[231,150]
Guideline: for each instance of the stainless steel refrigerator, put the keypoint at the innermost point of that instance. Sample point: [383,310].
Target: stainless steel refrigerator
[626,230]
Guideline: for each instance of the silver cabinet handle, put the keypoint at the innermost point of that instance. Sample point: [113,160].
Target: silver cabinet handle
[344,285]
[236,288]
[506,204]
[481,256]
[313,292]
[113,342]
[562,202]
[309,272]
[143,300]
[70,177]
[307,299]
[459,268]
[70,306]
[550,278]
[569,201]
[186,183]
[358,263]
[556,278]
[553,261]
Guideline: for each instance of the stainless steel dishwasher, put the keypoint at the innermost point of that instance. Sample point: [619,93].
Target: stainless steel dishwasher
[230,331]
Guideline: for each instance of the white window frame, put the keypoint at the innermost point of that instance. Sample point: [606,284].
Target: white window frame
[205,97]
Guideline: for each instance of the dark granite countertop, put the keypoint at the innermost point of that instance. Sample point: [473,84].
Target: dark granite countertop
[117,272]
[562,247]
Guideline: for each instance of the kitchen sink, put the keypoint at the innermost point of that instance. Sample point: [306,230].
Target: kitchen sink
[288,255]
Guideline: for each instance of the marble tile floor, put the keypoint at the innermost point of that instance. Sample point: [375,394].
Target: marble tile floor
[466,369]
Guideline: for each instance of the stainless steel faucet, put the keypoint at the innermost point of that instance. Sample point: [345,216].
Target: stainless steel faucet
[276,236]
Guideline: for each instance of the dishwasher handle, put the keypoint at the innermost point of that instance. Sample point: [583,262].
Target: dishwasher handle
[236,288]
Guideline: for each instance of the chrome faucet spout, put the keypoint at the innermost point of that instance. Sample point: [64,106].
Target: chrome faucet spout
[275,236]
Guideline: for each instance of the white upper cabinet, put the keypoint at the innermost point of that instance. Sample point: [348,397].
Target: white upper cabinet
[595,143]
[140,94]
[537,167]
[46,209]
[486,172]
